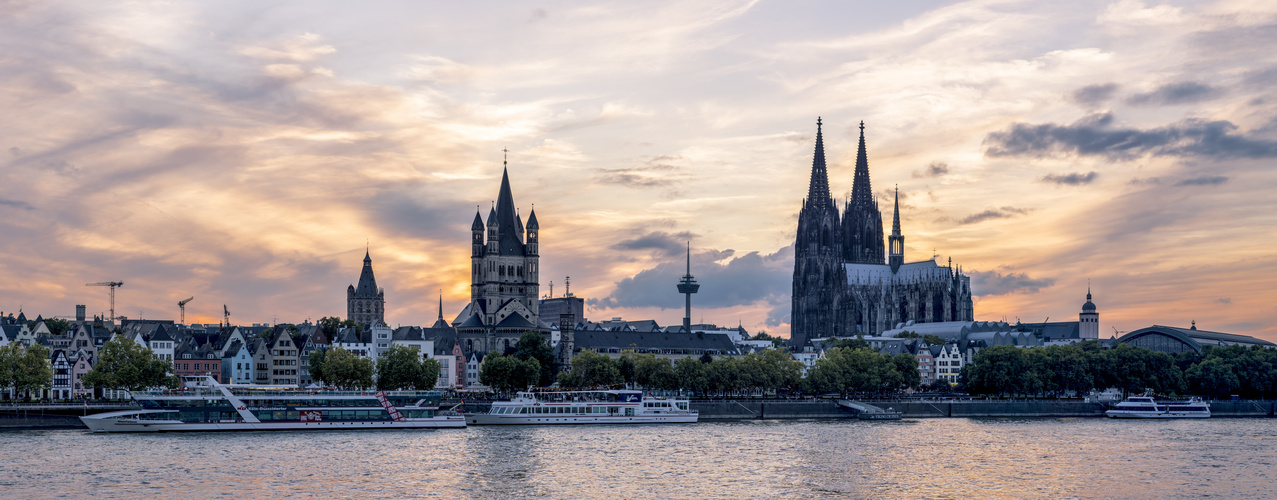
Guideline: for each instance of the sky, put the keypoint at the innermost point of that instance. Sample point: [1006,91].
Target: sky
[247,153]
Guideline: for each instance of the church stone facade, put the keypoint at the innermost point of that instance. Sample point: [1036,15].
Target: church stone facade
[846,282]
[504,285]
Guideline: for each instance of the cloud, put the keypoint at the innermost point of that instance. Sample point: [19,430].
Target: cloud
[1070,179]
[993,213]
[1175,93]
[667,244]
[5,202]
[986,283]
[726,280]
[657,172]
[1224,300]
[935,169]
[1093,95]
[1213,180]
[1093,136]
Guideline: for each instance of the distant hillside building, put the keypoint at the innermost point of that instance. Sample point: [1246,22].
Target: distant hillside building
[504,288]
[366,304]
[842,286]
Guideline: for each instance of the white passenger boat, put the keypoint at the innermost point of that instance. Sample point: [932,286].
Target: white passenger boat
[205,405]
[1147,407]
[585,407]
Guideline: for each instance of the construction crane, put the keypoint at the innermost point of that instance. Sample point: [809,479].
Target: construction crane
[181,304]
[113,285]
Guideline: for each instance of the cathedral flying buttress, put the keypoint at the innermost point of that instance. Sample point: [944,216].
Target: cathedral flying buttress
[846,281]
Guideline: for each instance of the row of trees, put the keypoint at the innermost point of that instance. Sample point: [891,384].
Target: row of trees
[1078,368]
[861,370]
[401,367]
[25,369]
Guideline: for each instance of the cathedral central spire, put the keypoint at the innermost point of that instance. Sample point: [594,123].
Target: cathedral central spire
[861,191]
[818,189]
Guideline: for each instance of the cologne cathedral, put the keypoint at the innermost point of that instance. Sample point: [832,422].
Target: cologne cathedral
[846,282]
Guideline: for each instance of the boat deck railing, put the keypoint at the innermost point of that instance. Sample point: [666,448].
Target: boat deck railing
[198,392]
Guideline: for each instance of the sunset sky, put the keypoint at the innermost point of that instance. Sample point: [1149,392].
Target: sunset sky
[244,153]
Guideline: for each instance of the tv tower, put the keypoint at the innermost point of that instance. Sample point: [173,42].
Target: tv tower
[687,286]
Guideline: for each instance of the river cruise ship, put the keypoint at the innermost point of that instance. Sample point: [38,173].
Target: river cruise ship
[585,407]
[1147,407]
[205,405]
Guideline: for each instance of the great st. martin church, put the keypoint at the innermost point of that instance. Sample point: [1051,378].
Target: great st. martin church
[842,286]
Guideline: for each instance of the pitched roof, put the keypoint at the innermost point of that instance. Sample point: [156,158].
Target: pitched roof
[367,288]
[586,339]
[515,321]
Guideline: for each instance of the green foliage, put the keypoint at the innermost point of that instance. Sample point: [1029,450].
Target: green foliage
[341,368]
[933,340]
[124,364]
[402,367]
[908,335]
[655,373]
[508,373]
[1077,368]
[56,326]
[25,369]
[627,366]
[856,343]
[331,324]
[591,369]
[845,370]
[762,335]
[532,345]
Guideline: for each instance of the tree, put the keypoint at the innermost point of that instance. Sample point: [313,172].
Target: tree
[775,340]
[857,343]
[125,364]
[652,372]
[316,360]
[507,373]
[532,345]
[907,366]
[933,340]
[627,366]
[590,369]
[692,374]
[400,368]
[331,324]
[25,369]
[430,368]
[343,368]
[57,326]
[908,335]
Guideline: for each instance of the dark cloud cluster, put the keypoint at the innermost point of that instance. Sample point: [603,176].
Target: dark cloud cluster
[1095,135]
[726,280]
[1070,179]
[1093,95]
[1210,180]
[985,283]
[1175,93]
[990,214]
[657,172]
[666,244]
[935,169]
[5,202]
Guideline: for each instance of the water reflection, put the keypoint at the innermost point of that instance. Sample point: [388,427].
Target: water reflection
[940,458]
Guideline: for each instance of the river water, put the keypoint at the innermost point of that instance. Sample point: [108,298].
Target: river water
[926,458]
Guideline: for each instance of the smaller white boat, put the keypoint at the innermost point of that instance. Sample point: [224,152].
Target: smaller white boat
[585,407]
[1147,407]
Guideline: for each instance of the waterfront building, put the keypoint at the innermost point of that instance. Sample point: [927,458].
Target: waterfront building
[842,285]
[504,285]
[61,386]
[237,364]
[665,345]
[1174,340]
[366,304]
[191,359]
[81,363]
[348,339]
[926,365]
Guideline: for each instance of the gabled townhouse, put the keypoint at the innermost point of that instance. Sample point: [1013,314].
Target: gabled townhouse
[261,360]
[381,337]
[283,356]
[225,336]
[926,365]
[237,363]
[61,387]
[81,363]
[473,365]
[348,339]
[162,342]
